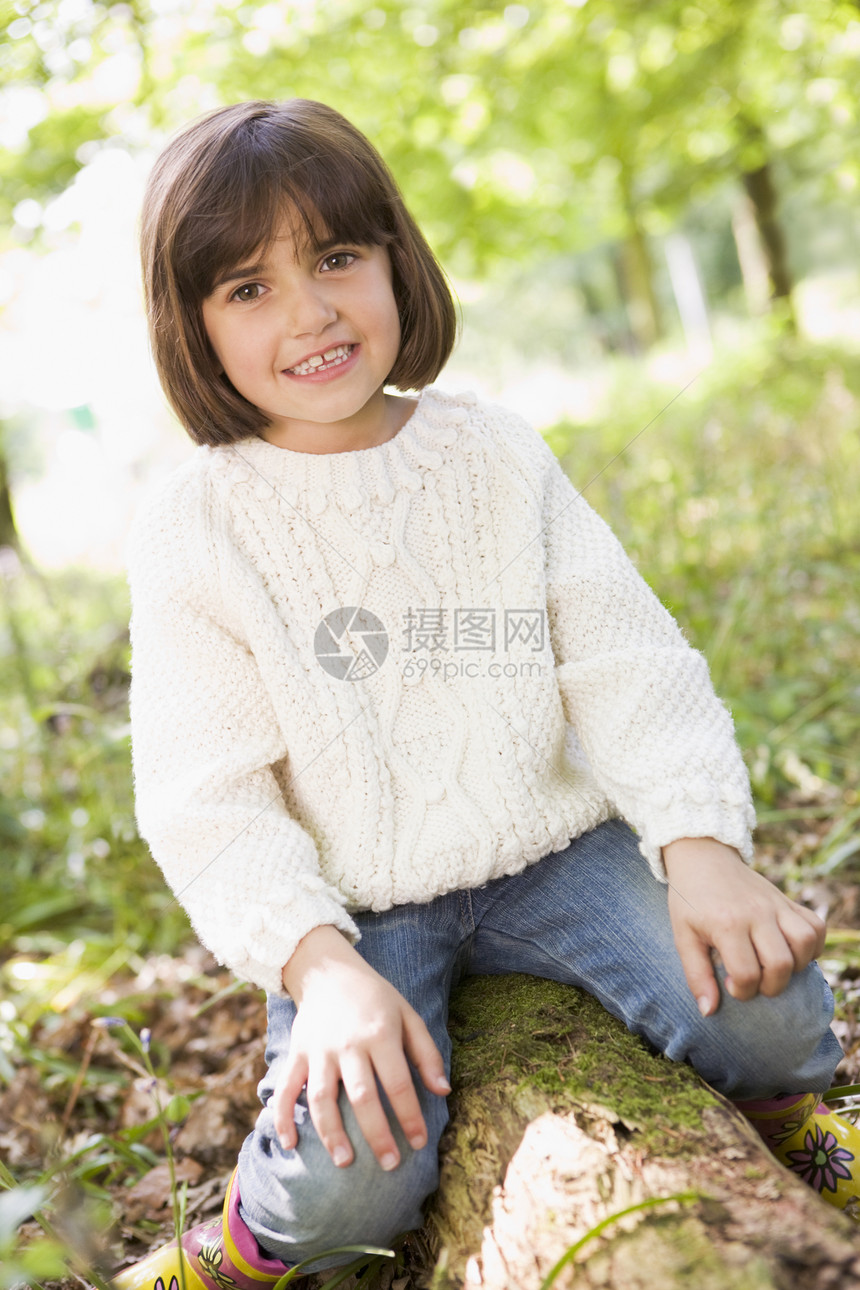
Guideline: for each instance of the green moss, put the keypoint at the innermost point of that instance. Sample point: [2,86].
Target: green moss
[528,1032]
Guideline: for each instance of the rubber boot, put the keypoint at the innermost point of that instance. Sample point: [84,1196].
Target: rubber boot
[813,1141]
[219,1255]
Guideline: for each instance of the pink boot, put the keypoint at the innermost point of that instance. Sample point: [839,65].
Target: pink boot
[219,1255]
[814,1141]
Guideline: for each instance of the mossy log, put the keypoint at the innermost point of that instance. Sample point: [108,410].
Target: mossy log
[560,1119]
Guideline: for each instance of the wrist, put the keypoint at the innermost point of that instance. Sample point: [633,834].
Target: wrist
[320,950]
[684,852]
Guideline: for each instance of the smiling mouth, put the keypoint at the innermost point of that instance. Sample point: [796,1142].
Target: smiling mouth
[322,362]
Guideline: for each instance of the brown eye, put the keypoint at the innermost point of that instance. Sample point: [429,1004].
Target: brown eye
[338,260]
[250,291]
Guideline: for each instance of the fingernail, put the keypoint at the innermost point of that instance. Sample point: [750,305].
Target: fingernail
[704,1005]
[417,1142]
[442,1083]
[340,1156]
[389,1161]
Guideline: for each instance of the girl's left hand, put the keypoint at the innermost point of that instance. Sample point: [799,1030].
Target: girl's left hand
[717,903]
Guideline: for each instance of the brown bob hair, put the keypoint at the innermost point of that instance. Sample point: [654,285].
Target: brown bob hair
[218,193]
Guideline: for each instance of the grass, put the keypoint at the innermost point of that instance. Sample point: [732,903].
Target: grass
[738,504]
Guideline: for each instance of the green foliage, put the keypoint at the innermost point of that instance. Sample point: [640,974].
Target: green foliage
[50,161]
[738,504]
[19,1265]
[529,128]
[78,890]
[25,1261]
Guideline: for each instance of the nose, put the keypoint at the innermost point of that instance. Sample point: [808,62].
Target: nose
[309,308]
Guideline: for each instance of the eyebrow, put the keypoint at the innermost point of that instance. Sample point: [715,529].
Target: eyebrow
[237,275]
[259,270]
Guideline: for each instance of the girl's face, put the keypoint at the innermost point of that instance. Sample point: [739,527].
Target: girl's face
[309,336]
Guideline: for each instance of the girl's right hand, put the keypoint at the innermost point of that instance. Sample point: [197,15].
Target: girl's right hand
[352,1026]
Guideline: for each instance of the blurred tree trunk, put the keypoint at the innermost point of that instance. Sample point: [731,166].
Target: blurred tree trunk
[560,1119]
[760,188]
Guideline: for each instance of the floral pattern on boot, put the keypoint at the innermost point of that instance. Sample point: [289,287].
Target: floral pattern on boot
[814,1142]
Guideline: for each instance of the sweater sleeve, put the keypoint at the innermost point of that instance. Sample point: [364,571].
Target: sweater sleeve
[204,742]
[659,741]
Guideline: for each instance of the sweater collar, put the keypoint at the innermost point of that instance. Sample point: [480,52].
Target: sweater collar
[421,446]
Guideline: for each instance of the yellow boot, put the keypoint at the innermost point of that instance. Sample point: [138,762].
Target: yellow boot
[219,1255]
[814,1142]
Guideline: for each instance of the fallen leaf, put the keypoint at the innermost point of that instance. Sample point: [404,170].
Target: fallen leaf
[150,1197]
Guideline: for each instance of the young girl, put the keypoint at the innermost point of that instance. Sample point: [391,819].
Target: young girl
[403,710]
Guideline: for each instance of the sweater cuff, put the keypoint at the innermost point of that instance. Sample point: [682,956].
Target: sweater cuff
[720,821]
[261,941]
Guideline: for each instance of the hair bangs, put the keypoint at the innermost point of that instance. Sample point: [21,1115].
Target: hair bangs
[242,211]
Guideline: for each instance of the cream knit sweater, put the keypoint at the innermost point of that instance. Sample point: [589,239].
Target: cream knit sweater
[521,685]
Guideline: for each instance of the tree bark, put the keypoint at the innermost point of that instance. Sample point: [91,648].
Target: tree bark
[560,1119]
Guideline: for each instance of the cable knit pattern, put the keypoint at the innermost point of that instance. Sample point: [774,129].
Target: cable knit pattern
[278,797]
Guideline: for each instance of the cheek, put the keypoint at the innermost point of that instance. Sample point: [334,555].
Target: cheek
[381,307]
[234,354]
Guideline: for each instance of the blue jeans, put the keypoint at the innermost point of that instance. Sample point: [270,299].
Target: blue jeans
[592,916]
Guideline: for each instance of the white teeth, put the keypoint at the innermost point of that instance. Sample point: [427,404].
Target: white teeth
[333,357]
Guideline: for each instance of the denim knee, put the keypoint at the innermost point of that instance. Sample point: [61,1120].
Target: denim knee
[299,1204]
[765,1046]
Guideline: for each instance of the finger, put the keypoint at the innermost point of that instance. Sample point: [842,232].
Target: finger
[805,933]
[323,1089]
[743,969]
[698,968]
[397,1080]
[284,1100]
[422,1052]
[776,960]
[359,1081]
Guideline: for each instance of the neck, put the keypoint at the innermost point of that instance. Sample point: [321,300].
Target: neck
[378,426]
